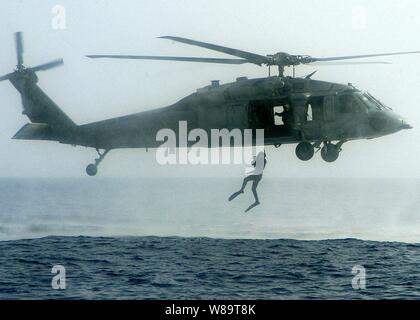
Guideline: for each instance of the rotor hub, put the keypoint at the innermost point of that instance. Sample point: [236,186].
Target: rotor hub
[287,60]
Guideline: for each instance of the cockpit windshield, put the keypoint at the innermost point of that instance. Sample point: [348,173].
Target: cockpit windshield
[372,102]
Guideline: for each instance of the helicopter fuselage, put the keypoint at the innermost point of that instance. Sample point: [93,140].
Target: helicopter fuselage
[318,111]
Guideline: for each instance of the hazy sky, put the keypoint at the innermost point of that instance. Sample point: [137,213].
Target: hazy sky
[93,90]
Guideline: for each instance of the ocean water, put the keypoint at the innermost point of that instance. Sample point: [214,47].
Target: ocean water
[204,268]
[180,238]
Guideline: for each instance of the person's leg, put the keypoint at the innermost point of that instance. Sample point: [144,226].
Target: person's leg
[244,183]
[255,183]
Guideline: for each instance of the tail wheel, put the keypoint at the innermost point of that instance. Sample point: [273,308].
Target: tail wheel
[330,152]
[305,151]
[92,169]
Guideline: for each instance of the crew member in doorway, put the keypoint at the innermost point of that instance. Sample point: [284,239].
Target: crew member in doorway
[286,116]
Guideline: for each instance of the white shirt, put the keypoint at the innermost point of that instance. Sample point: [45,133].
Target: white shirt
[258,167]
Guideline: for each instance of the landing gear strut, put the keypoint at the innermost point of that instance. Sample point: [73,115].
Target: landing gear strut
[92,169]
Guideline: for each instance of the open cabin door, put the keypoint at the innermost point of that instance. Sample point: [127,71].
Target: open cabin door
[260,114]
[265,114]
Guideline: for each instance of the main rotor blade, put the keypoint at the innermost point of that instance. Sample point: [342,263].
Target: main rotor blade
[48,65]
[19,48]
[346,63]
[251,57]
[365,56]
[186,59]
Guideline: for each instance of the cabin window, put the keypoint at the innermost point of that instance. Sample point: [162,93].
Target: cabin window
[315,109]
[309,114]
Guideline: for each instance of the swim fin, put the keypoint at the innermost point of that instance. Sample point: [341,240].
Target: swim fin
[252,206]
[233,196]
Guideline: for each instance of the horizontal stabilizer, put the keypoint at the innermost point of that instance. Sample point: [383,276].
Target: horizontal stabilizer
[34,131]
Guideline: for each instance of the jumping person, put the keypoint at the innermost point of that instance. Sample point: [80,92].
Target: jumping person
[255,175]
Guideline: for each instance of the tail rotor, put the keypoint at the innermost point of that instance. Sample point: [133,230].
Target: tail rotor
[20,68]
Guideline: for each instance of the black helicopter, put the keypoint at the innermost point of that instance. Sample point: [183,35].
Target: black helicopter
[312,114]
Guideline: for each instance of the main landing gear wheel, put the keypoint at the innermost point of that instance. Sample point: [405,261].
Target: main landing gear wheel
[330,152]
[305,151]
[92,169]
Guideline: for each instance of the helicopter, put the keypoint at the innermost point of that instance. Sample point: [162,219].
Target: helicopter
[315,115]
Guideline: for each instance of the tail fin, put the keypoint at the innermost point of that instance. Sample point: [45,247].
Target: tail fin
[38,107]
[48,120]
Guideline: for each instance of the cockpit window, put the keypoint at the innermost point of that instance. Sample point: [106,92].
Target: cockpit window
[372,102]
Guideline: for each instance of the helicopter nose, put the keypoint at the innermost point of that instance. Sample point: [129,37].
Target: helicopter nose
[388,122]
[405,125]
